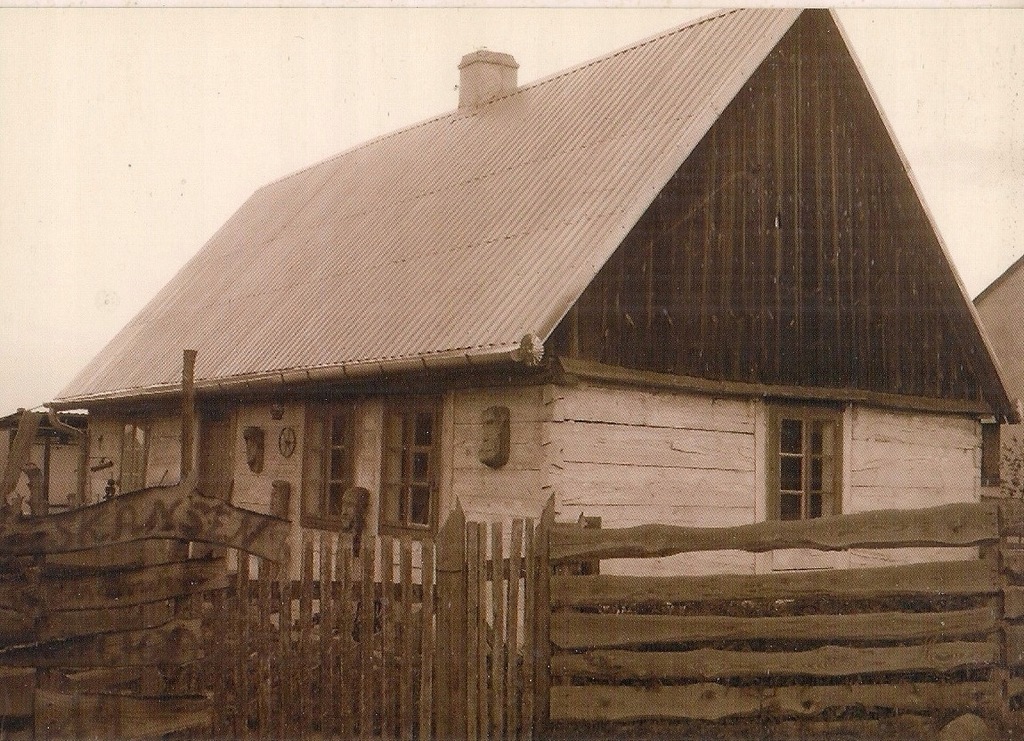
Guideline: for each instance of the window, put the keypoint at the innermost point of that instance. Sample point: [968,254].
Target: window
[990,454]
[804,462]
[409,492]
[134,452]
[330,455]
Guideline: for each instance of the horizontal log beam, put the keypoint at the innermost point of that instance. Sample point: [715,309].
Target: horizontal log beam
[574,370]
[61,624]
[104,679]
[134,586]
[706,701]
[60,715]
[927,579]
[828,661]
[172,512]
[174,643]
[962,524]
[114,557]
[573,630]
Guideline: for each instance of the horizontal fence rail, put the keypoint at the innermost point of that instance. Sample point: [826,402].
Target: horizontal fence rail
[909,646]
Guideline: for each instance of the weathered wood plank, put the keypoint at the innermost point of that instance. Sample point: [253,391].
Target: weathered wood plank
[406,667]
[479,531]
[575,630]
[473,648]
[828,661]
[134,586]
[530,619]
[575,369]
[174,643]
[544,627]
[364,660]
[624,445]
[104,679]
[114,556]
[498,631]
[947,525]
[60,624]
[426,729]
[927,579]
[16,689]
[60,716]
[450,682]
[513,685]
[158,512]
[706,701]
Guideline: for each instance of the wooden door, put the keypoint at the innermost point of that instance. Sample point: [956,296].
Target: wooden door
[216,451]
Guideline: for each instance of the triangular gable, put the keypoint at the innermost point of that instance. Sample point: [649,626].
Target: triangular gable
[791,249]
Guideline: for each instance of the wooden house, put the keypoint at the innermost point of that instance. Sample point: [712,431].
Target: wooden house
[691,282]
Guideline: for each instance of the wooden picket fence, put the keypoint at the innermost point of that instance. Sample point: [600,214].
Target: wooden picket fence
[360,647]
[882,652]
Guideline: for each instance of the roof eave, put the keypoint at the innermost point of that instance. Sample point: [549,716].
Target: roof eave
[523,353]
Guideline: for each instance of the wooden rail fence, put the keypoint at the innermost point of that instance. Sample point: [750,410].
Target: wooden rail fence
[887,651]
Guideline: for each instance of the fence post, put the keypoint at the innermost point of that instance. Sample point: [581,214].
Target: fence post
[542,607]
[450,685]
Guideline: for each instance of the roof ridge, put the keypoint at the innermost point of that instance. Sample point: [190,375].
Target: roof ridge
[457,113]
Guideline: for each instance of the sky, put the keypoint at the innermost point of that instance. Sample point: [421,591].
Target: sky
[127,137]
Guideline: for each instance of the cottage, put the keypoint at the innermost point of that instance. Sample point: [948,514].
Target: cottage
[690,282]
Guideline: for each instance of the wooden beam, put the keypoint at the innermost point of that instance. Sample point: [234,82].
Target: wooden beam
[104,679]
[574,369]
[60,624]
[706,701]
[134,586]
[828,661]
[961,524]
[571,630]
[926,579]
[16,626]
[171,512]
[60,715]
[173,643]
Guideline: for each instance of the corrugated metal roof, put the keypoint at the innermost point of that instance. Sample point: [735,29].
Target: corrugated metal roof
[450,239]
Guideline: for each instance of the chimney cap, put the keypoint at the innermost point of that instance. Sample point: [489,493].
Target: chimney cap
[489,57]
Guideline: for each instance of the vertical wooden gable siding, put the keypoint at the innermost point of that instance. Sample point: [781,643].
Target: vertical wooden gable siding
[790,248]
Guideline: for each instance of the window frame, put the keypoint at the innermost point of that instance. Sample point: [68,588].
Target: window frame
[136,423]
[406,409]
[320,489]
[807,414]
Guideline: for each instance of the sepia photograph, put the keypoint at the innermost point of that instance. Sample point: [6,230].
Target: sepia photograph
[480,372]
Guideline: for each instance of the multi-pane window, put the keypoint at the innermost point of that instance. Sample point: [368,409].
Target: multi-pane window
[332,455]
[409,494]
[134,451]
[805,458]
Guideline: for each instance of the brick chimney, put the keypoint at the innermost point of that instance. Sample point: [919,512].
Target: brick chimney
[486,75]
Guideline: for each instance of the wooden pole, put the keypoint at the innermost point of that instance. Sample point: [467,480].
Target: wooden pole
[188,411]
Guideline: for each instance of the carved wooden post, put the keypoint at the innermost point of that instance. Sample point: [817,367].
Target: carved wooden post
[450,684]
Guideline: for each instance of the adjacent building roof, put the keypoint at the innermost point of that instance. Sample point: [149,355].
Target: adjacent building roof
[999,307]
[445,242]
